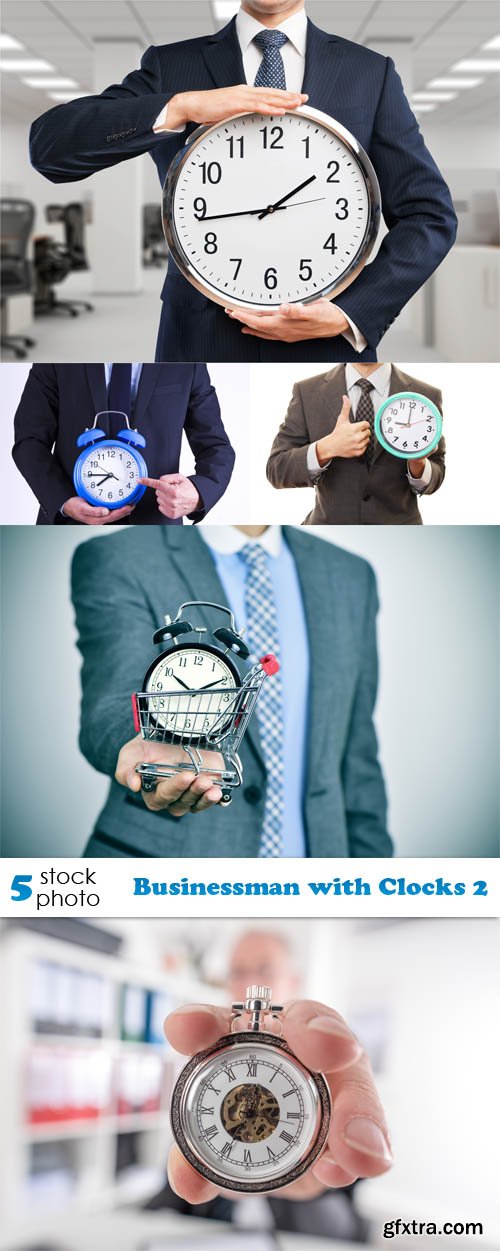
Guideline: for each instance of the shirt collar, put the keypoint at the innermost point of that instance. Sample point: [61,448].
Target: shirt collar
[295,28]
[227,540]
[380,378]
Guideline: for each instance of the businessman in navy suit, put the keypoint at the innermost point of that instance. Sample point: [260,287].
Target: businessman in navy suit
[163,401]
[182,85]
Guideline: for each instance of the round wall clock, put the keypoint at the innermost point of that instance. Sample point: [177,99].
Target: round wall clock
[408,425]
[107,471]
[246,1113]
[260,211]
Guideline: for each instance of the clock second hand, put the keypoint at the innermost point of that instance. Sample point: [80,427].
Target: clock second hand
[214,217]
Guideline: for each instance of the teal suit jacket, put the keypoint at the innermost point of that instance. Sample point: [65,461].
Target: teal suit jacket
[122,586]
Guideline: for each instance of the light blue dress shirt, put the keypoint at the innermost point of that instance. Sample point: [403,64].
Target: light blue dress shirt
[136,373]
[294,657]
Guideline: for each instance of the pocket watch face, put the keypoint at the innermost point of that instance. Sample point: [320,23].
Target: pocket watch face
[231,236]
[249,1115]
[195,686]
[109,474]
[408,425]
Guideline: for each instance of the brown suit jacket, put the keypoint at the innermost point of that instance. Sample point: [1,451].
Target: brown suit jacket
[349,492]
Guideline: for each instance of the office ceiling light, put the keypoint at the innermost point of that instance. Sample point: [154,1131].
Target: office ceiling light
[483,66]
[434,97]
[493,45]
[50,82]
[62,96]
[9,44]
[424,108]
[225,9]
[456,83]
[16,65]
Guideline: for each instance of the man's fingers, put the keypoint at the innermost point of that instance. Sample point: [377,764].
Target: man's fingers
[150,482]
[196,797]
[195,1026]
[186,1182]
[358,1140]
[118,513]
[168,791]
[319,1036]
[330,1173]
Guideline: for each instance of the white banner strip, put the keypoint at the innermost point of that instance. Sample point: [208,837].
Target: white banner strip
[121,887]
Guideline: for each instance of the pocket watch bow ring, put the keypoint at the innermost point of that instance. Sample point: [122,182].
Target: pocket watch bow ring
[195,696]
[246,1113]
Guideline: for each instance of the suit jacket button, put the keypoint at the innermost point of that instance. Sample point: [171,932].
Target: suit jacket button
[366,496]
[252,794]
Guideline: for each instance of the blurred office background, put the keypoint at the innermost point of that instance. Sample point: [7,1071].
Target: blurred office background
[437,710]
[100,241]
[84,1132]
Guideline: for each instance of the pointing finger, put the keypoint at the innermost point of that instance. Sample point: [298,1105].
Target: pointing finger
[150,482]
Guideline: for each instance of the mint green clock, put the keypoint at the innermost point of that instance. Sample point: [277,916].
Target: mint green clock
[408,425]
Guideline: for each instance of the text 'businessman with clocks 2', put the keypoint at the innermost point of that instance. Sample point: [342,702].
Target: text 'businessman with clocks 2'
[282,279]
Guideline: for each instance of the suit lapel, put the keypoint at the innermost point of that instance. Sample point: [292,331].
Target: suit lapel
[323,60]
[222,56]
[195,565]
[147,383]
[96,379]
[333,390]
[323,675]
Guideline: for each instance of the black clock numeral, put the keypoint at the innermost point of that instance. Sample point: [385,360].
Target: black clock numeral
[210,244]
[207,1111]
[211,171]
[271,278]
[293,1116]
[211,1131]
[277,131]
[305,269]
[181,662]
[226,1150]
[198,660]
[236,260]
[251,1068]
[236,143]
[247,1156]
[230,1074]
[199,208]
[306,143]
[330,245]
[334,166]
[270,1155]
[288,1138]
[120,493]
[343,207]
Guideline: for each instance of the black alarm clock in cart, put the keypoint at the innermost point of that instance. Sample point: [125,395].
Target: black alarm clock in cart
[108,468]
[199,694]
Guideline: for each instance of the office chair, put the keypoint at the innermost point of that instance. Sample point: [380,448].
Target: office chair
[154,247]
[54,260]
[16,223]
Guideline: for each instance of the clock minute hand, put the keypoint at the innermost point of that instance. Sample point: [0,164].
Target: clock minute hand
[271,208]
[216,217]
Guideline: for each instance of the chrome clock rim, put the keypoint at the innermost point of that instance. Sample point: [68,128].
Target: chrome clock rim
[333,289]
[187,1146]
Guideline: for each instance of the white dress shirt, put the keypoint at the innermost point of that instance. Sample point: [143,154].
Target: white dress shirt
[381,383]
[294,58]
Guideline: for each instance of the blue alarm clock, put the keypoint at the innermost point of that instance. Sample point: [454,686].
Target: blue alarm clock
[408,425]
[107,471]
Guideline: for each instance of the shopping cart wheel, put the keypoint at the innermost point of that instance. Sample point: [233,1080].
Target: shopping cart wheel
[149,784]
[227,797]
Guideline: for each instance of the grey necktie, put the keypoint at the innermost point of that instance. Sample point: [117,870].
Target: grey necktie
[366,412]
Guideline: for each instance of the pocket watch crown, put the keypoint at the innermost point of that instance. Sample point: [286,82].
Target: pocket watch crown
[259,992]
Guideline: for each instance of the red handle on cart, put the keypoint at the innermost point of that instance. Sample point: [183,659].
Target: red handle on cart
[135,710]
[269,664]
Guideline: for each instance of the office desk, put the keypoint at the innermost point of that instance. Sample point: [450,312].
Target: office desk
[130,1230]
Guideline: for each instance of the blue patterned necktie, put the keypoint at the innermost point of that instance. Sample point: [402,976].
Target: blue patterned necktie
[271,71]
[262,637]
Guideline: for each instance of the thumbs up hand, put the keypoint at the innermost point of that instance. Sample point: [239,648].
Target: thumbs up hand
[347,439]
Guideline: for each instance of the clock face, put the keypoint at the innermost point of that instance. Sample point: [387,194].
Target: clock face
[249,1115]
[221,186]
[108,473]
[408,425]
[195,685]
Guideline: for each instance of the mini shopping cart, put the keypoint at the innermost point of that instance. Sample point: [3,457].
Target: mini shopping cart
[198,720]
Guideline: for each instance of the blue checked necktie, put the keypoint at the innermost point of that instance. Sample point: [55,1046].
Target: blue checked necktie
[366,412]
[262,637]
[271,71]
[119,390]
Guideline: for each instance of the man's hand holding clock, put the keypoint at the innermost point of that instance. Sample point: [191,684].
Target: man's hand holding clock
[292,322]
[206,107]
[358,1143]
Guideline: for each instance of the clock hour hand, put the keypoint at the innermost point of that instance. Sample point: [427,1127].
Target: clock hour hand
[181,683]
[272,208]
